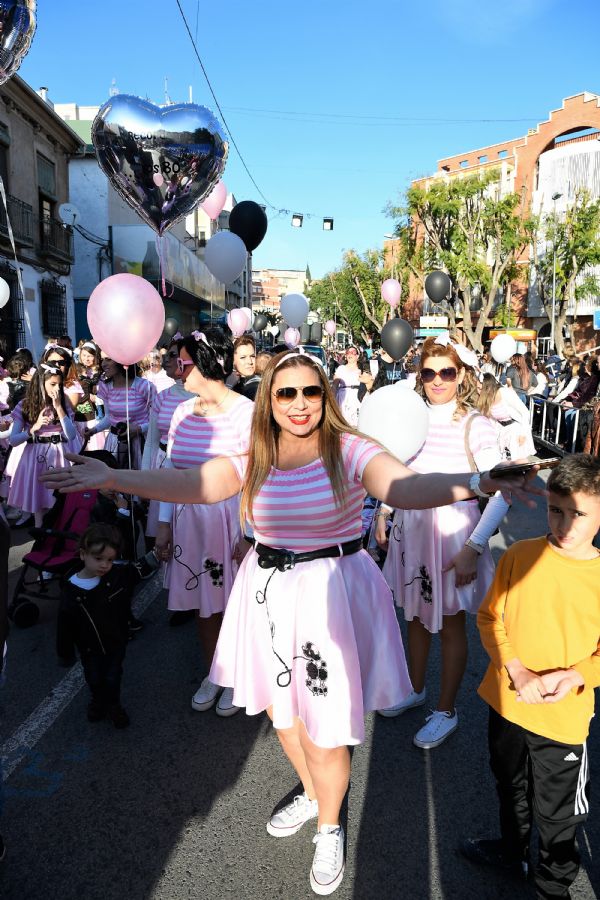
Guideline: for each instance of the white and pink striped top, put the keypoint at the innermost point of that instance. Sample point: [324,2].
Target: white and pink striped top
[296,510]
[141,395]
[164,405]
[194,440]
[444,449]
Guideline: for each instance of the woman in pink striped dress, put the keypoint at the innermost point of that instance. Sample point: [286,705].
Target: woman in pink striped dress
[202,542]
[127,400]
[439,564]
[309,632]
[164,405]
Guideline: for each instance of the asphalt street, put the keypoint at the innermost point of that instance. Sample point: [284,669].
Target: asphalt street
[174,807]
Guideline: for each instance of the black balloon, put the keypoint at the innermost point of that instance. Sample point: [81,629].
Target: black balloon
[260,322]
[17,27]
[437,286]
[171,326]
[249,221]
[396,338]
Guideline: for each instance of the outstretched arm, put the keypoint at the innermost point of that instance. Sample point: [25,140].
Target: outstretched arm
[395,484]
[211,482]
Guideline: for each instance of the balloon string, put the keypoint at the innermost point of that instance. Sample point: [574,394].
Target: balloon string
[14,249]
[129,452]
[160,248]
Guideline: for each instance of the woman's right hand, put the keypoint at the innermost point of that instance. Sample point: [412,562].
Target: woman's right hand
[163,546]
[381,533]
[85,474]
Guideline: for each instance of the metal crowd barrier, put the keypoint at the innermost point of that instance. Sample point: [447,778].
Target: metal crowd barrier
[548,425]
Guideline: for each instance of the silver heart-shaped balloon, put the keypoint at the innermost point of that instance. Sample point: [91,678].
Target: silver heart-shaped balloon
[17,27]
[163,160]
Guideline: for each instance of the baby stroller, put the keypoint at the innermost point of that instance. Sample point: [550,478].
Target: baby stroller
[54,551]
[56,548]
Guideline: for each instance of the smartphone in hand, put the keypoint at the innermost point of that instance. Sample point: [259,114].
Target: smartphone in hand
[507,470]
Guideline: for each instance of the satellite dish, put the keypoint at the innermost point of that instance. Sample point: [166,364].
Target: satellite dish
[68,213]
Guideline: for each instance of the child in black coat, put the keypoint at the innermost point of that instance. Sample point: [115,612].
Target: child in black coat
[93,617]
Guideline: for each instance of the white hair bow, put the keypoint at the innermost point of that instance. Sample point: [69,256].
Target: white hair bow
[466,356]
[47,368]
[200,336]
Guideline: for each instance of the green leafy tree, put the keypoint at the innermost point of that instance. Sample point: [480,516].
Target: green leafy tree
[566,251]
[473,234]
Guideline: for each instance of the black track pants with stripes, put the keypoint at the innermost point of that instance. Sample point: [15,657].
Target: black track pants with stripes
[540,780]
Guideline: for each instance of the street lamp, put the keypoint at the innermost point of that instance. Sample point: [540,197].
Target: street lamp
[555,197]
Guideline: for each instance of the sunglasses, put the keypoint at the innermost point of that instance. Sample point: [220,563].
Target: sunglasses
[312,393]
[428,375]
[58,362]
[182,363]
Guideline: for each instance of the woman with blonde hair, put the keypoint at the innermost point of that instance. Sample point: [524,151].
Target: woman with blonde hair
[501,404]
[309,634]
[439,564]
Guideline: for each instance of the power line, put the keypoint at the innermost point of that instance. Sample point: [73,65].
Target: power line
[231,137]
[278,211]
[352,118]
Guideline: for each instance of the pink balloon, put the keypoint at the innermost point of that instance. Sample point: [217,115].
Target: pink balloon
[291,337]
[249,314]
[237,320]
[391,292]
[158,179]
[330,327]
[216,200]
[126,316]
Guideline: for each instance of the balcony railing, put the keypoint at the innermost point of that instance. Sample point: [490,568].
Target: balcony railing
[21,220]
[53,239]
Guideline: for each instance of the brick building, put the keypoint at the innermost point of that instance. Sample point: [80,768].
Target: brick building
[559,156]
[270,285]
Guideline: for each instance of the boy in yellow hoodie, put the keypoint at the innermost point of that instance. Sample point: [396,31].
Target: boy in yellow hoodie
[540,624]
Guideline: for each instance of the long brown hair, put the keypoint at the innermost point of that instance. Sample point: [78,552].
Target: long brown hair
[264,436]
[487,395]
[518,361]
[467,392]
[69,372]
[36,398]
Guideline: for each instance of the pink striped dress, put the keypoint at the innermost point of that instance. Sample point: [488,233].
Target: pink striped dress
[117,403]
[202,571]
[319,641]
[155,450]
[422,542]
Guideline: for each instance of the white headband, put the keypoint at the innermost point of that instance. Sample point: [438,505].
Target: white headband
[88,344]
[294,354]
[47,368]
[466,356]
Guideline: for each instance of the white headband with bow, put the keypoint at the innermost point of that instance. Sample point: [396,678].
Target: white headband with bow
[466,356]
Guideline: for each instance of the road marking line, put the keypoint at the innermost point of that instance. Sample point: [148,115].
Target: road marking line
[16,747]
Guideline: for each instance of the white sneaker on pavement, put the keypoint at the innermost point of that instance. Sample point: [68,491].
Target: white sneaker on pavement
[225,705]
[438,726]
[413,699]
[292,817]
[328,864]
[206,695]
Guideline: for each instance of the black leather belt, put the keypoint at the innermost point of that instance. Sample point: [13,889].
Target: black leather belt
[274,558]
[162,446]
[47,439]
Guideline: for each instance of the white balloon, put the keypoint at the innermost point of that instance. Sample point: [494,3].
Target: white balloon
[249,313]
[273,329]
[294,309]
[225,256]
[4,293]
[398,419]
[503,347]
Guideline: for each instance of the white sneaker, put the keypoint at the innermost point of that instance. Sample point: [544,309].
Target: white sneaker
[292,817]
[438,726]
[225,705]
[413,699]
[206,695]
[328,864]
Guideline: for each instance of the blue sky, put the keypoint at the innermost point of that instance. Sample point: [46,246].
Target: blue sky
[335,105]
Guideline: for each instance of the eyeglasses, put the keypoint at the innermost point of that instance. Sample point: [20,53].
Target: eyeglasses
[428,375]
[182,363]
[312,393]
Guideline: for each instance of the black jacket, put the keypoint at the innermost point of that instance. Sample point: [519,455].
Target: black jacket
[96,621]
